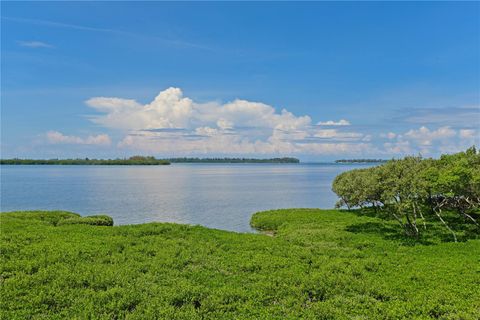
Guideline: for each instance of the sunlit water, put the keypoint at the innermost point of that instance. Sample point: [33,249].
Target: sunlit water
[222,196]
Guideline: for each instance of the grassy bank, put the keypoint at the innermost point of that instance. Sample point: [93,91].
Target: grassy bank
[314,264]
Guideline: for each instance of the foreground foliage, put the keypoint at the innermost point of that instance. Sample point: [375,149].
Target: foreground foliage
[413,190]
[314,264]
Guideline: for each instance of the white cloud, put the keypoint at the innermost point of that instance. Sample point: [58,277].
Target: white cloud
[56,137]
[34,44]
[399,147]
[426,137]
[390,135]
[224,124]
[168,110]
[342,122]
[467,134]
[367,138]
[431,141]
[335,134]
[172,123]
[207,131]
[221,144]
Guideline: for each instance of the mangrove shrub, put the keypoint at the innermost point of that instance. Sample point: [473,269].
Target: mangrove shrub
[412,189]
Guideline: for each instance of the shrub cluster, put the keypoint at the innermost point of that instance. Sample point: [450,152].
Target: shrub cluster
[413,188]
[98,220]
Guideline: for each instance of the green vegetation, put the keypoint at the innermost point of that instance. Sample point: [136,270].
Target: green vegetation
[140,160]
[233,160]
[360,161]
[98,220]
[312,264]
[414,190]
[135,160]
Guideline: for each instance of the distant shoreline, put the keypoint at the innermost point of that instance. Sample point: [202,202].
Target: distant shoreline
[85,162]
[139,160]
[233,160]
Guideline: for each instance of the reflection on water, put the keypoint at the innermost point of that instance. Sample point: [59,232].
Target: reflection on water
[220,196]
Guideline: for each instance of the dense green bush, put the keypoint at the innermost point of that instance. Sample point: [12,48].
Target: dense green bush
[319,265]
[98,220]
[413,190]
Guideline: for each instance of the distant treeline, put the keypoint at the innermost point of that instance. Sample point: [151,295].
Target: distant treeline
[135,160]
[360,160]
[233,160]
[141,160]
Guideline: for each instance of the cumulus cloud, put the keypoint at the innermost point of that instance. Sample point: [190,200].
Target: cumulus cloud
[342,122]
[172,123]
[56,137]
[390,135]
[430,141]
[398,147]
[467,133]
[426,137]
[34,44]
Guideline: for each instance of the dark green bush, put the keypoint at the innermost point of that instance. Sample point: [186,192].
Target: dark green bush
[98,220]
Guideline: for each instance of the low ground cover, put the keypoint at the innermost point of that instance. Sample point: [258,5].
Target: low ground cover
[319,264]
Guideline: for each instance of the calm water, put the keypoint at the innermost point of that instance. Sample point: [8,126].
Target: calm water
[222,196]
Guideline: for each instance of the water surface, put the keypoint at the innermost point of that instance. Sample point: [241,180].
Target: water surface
[222,196]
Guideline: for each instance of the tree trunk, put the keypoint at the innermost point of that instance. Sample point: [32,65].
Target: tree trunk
[438,213]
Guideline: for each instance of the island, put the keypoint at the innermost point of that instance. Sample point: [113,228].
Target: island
[135,160]
[233,160]
[141,160]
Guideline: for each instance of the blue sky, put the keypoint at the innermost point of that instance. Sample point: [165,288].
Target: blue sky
[211,79]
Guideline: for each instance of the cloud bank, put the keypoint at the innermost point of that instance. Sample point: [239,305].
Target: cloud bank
[429,141]
[342,122]
[174,124]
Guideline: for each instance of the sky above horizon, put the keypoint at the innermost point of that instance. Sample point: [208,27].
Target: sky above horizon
[318,81]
